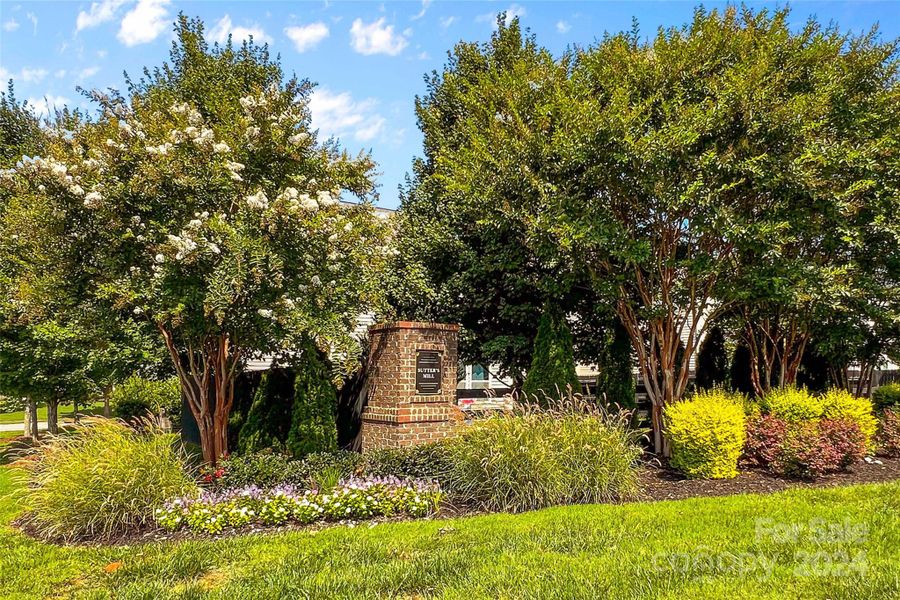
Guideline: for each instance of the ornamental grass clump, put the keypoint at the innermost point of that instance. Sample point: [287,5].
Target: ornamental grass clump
[212,512]
[569,452]
[104,480]
[707,434]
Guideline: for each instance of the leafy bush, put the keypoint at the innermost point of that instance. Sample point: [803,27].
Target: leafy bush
[104,480]
[542,458]
[841,404]
[615,381]
[765,436]
[887,396]
[813,448]
[425,461]
[314,424]
[889,432]
[137,398]
[792,404]
[552,368]
[707,434]
[266,469]
[352,499]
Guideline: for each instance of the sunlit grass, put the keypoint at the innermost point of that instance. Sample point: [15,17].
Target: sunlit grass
[626,551]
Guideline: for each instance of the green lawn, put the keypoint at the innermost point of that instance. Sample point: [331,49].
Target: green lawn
[630,551]
[65,413]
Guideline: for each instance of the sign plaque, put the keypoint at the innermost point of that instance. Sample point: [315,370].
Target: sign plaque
[428,372]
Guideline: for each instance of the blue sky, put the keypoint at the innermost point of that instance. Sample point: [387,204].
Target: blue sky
[369,58]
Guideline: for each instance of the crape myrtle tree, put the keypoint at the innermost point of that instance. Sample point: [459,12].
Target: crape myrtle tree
[214,214]
[462,257]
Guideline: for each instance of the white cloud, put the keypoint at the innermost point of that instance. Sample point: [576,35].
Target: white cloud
[512,12]
[306,36]
[421,13]
[10,25]
[224,27]
[88,72]
[563,26]
[144,22]
[100,12]
[376,38]
[32,75]
[341,116]
[448,21]
[423,55]
[34,21]
[4,76]
[45,106]
[60,74]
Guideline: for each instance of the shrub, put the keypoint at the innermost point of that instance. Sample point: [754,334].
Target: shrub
[552,368]
[886,396]
[538,459]
[889,432]
[425,461]
[712,361]
[137,398]
[707,434]
[792,404]
[352,499]
[765,437]
[313,425]
[841,404]
[813,448]
[740,374]
[615,381]
[104,480]
[269,417]
[267,469]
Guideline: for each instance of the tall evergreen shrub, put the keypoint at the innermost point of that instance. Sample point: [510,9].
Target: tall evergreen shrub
[712,361]
[741,380]
[314,425]
[268,421]
[553,362]
[616,382]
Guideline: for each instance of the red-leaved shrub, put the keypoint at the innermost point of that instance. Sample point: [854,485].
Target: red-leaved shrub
[807,449]
[765,435]
[889,433]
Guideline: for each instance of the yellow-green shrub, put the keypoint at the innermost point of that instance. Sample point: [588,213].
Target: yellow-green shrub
[841,404]
[792,404]
[707,433]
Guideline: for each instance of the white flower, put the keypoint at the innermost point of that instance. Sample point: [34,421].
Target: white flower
[138,310]
[308,203]
[92,199]
[258,200]
[297,138]
[77,190]
[265,313]
[315,280]
[214,248]
[221,148]
[252,132]
[234,166]
[234,176]
[160,258]
[325,199]
[348,226]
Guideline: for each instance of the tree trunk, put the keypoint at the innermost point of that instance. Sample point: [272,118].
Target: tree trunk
[52,416]
[106,412]
[207,375]
[31,429]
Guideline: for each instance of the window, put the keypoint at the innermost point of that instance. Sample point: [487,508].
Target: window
[479,373]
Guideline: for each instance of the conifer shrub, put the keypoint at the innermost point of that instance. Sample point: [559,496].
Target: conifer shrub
[712,361]
[314,419]
[707,433]
[615,381]
[268,421]
[552,369]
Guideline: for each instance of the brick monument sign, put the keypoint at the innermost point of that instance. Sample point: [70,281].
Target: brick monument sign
[412,384]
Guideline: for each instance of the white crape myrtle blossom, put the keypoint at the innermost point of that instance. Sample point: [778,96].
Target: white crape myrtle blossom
[258,200]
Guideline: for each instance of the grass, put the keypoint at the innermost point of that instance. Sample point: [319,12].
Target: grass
[626,551]
[65,414]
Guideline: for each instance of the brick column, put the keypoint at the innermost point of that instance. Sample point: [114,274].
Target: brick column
[398,413]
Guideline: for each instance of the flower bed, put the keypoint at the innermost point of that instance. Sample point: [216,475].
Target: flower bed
[351,499]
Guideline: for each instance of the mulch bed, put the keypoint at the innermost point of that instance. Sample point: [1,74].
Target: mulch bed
[659,482]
